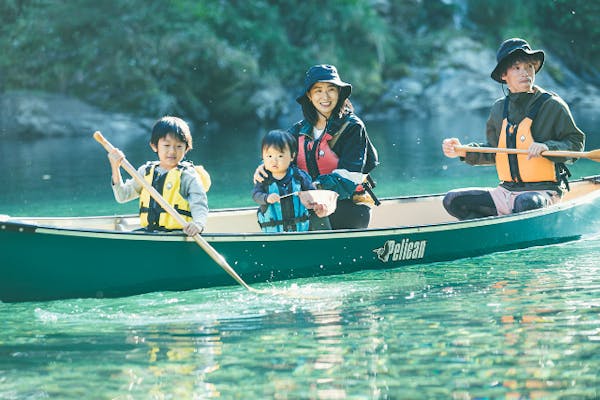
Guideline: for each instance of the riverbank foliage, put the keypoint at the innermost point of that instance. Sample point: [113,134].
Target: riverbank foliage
[228,60]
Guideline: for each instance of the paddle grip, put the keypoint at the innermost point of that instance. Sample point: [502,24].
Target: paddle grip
[102,140]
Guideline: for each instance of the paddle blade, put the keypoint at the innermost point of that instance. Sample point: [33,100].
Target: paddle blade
[323,202]
[594,155]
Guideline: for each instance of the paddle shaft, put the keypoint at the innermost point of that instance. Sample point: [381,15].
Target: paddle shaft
[300,191]
[592,155]
[289,194]
[215,255]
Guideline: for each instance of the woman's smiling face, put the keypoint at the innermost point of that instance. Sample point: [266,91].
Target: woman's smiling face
[324,97]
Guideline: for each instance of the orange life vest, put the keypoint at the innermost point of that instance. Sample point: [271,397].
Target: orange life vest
[516,167]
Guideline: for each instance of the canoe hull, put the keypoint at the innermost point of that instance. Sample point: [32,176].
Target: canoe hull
[47,263]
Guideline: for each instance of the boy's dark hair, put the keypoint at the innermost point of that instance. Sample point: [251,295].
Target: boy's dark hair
[280,139]
[171,126]
[519,57]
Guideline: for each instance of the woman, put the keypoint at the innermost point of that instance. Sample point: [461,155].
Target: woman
[334,148]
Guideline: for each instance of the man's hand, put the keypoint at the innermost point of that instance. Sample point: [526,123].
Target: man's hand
[536,149]
[450,151]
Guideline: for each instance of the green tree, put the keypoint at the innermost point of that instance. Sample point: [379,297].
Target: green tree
[227,60]
[570,29]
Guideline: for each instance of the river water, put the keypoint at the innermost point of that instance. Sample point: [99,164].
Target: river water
[514,325]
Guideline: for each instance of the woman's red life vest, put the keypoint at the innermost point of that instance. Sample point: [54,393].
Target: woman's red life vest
[326,158]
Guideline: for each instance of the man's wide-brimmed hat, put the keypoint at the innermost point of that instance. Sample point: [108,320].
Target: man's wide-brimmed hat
[324,73]
[510,48]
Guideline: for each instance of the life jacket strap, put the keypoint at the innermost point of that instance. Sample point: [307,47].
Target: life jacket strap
[511,143]
[271,223]
[185,213]
[563,174]
[368,186]
[176,207]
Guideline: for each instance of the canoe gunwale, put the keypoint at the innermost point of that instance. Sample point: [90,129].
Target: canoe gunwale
[21,224]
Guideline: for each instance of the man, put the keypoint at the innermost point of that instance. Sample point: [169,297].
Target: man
[529,118]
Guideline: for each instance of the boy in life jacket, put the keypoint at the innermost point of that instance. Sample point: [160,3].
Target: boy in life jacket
[281,209]
[530,118]
[181,184]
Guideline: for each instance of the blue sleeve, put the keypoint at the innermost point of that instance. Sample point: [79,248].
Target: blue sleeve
[305,180]
[259,194]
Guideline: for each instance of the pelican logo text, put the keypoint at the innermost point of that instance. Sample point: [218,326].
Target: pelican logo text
[406,249]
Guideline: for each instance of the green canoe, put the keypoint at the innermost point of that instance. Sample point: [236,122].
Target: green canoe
[59,258]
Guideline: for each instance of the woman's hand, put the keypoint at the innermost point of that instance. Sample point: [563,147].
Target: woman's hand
[322,202]
[260,174]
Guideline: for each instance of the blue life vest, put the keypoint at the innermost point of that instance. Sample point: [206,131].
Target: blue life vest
[273,220]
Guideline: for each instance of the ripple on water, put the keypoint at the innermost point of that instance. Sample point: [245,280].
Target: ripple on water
[516,324]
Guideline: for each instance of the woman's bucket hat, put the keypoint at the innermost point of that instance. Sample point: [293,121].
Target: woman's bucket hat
[510,48]
[324,73]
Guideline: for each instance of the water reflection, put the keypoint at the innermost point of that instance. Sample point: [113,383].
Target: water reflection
[186,352]
[520,324]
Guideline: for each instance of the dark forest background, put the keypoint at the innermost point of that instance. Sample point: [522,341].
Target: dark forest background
[232,61]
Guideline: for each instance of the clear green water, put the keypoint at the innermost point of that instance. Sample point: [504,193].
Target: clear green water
[513,325]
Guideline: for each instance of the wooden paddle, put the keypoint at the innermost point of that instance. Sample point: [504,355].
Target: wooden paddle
[592,155]
[216,256]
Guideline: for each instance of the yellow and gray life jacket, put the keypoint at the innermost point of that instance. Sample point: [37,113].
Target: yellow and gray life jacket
[152,215]
[516,167]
